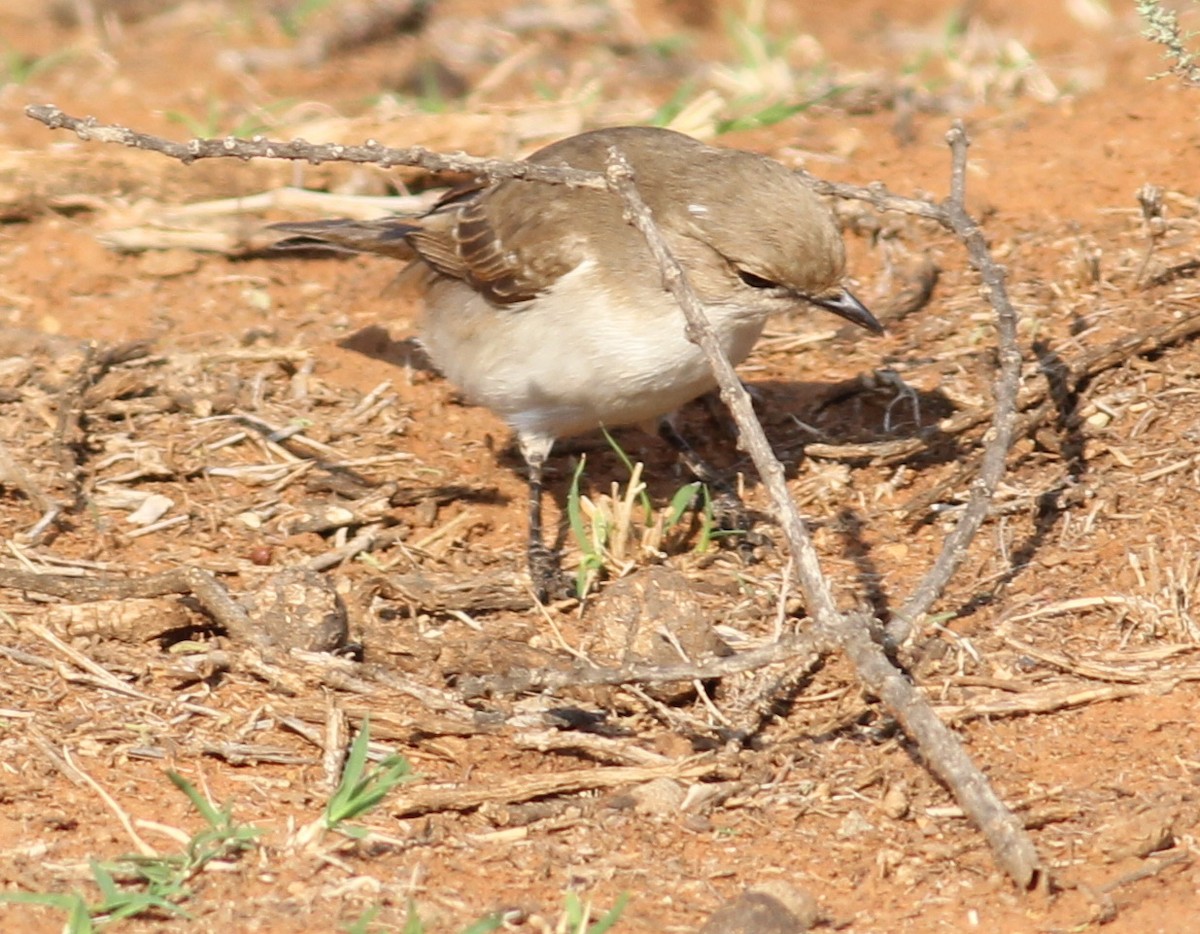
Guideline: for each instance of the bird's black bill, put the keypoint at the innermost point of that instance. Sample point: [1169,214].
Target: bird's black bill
[845,305]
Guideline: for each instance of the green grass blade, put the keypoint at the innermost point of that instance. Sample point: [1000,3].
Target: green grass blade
[210,814]
[643,496]
[574,512]
[362,789]
[682,501]
[613,915]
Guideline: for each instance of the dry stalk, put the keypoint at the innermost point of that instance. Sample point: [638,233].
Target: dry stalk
[199,583]
[850,632]
[427,799]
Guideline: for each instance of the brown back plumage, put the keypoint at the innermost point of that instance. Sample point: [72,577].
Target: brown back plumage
[493,236]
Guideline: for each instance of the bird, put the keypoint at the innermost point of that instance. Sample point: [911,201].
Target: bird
[543,303]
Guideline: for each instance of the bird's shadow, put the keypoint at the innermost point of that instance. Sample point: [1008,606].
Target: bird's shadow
[795,414]
[376,342]
[871,410]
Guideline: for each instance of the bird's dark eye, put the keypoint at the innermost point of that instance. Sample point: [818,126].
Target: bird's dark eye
[756,282]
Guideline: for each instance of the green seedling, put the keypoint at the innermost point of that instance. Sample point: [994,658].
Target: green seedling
[161,880]
[589,538]
[612,530]
[773,113]
[674,105]
[363,787]
[18,68]
[576,913]
[633,469]
[293,17]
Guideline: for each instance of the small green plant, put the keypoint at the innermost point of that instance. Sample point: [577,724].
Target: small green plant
[79,914]
[612,530]
[576,914]
[220,120]
[968,55]
[115,903]
[162,879]
[674,105]
[683,502]
[205,127]
[770,76]
[362,924]
[773,113]
[432,95]
[774,75]
[293,17]
[634,470]
[224,837]
[362,789]
[18,68]
[606,528]
[590,539]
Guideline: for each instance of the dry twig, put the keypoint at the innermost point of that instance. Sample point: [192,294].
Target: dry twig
[201,584]
[1008,380]
[850,632]
[426,799]
[369,153]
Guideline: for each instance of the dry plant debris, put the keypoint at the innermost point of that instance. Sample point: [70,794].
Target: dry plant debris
[850,633]
[242,461]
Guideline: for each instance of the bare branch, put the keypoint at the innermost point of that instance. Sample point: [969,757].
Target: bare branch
[943,751]
[1008,382]
[877,196]
[369,153]
[832,631]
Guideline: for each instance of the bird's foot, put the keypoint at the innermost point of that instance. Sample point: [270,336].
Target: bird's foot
[732,519]
[545,570]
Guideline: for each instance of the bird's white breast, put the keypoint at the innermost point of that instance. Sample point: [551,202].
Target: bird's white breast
[577,356]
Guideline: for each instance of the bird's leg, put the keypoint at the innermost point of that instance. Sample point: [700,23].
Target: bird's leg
[729,512]
[544,569]
[697,465]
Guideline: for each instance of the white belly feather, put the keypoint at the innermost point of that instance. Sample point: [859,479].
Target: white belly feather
[572,360]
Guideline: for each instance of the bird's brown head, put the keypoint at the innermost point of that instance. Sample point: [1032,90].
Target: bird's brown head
[750,232]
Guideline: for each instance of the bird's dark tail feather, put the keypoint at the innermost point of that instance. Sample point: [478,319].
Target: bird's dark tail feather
[387,236]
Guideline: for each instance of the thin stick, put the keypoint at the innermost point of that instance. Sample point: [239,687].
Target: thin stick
[201,584]
[370,152]
[537,680]
[1008,382]
[874,194]
[943,751]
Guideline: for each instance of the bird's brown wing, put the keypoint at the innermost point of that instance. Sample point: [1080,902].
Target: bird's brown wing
[510,240]
[507,245]
[459,239]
